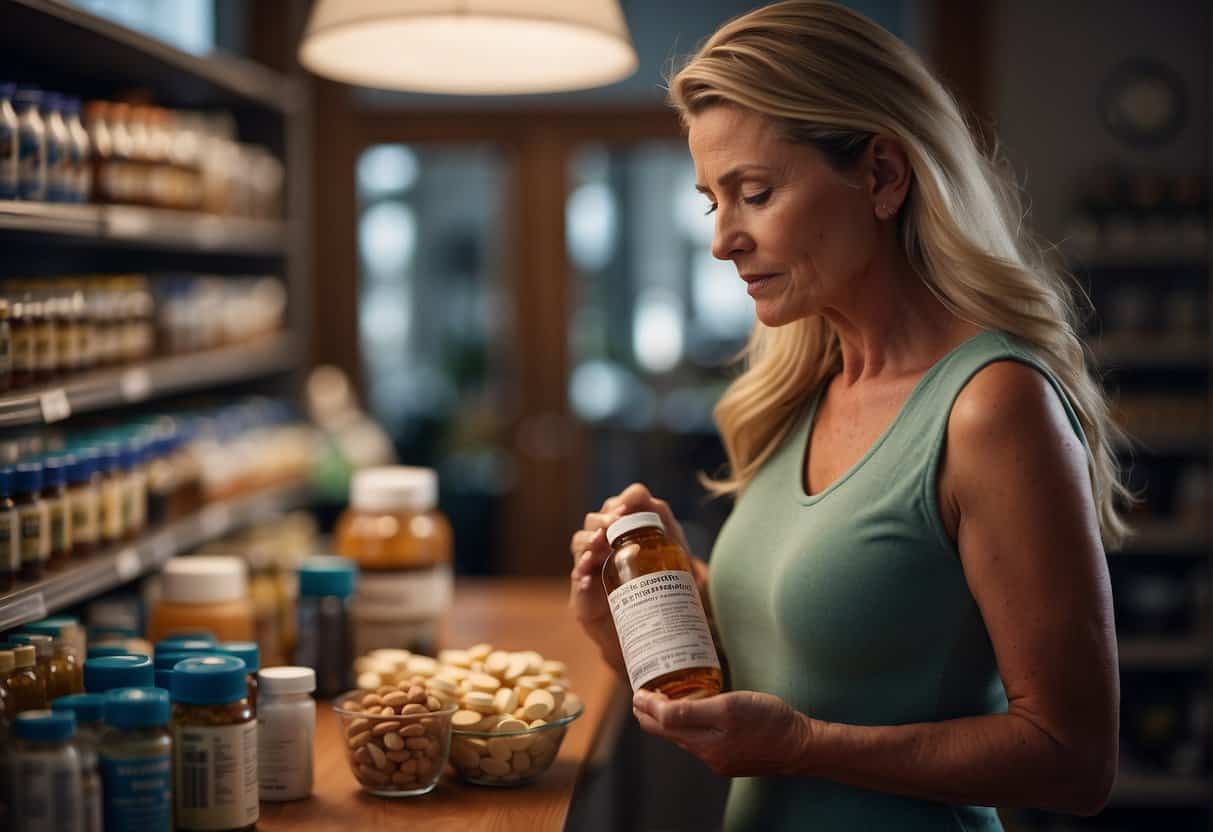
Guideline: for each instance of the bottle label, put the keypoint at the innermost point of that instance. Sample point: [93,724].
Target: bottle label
[66,346]
[111,509]
[57,170]
[6,349]
[45,356]
[86,522]
[31,165]
[662,627]
[60,530]
[215,775]
[138,793]
[49,797]
[8,160]
[415,594]
[35,536]
[284,750]
[23,349]
[10,541]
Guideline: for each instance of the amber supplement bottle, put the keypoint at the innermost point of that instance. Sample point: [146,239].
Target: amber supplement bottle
[6,348]
[54,493]
[21,334]
[84,502]
[26,689]
[7,707]
[52,665]
[663,631]
[10,532]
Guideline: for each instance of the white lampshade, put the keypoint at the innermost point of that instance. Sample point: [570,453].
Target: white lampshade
[469,46]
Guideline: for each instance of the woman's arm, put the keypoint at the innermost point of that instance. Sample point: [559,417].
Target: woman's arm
[1015,484]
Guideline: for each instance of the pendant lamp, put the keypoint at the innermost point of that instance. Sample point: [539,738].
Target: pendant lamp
[486,47]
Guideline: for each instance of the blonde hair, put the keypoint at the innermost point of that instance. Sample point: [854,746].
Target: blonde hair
[832,78]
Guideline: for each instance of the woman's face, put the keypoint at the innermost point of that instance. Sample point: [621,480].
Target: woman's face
[801,235]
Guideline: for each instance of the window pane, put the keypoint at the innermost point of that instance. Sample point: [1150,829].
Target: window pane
[188,25]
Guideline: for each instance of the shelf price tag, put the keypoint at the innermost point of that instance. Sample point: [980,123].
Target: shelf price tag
[126,564]
[55,407]
[136,384]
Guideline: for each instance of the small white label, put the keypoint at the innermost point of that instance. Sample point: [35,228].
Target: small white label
[662,627]
[415,594]
[55,407]
[285,735]
[126,564]
[215,774]
[136,383]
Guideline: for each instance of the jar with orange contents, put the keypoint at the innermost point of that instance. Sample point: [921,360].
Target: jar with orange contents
[403,547]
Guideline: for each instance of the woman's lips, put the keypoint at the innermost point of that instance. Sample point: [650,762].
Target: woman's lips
[756,283]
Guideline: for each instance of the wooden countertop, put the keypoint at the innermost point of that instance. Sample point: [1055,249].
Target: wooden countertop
[514,614]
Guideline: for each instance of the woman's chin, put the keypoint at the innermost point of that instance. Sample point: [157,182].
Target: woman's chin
[774,314]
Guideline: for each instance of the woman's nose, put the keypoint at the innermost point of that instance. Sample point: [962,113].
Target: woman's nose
[730,240]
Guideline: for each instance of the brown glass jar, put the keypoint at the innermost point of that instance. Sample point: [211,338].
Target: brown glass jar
[654,600]
[52,666]
[34,517]
[215,739]
[21,332]
[7,662]
[26,688]
[10,532]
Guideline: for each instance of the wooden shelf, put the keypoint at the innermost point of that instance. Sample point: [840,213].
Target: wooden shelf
[1161,790]
[115,566]
[129,385]
[1159,537]
[95,54]
[1164,653]
[145,228]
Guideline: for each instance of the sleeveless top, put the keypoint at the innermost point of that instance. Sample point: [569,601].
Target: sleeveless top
[851,604]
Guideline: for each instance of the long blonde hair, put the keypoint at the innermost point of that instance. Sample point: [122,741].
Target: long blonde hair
[832,78]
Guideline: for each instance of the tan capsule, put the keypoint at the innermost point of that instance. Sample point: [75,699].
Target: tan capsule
[416,695]
[433,703]
[396,699]
[371,699]
[520,762]
[358,726]
[398,756]
[413,708]
[377,755]
[382,689]
[404,780]
[363,756]
[505,700]
[372,776]
[385,727]
[466,719]
[359,740]
[351,705]
[495,767]
[415,729]
[393,742]
[409,766]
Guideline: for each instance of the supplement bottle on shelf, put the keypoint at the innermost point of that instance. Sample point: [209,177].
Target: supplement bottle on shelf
[324,634]
[663,631]
[66,660]
[35,521]
[58,149]
[46,787]
[403,547]
[204,593]
[26,689]
[54,494]
[21,332]
[137,760]
[10,532]
[87,709]
[81,152]
[112,672]
[214,746]
[113,490]
[6,348]
[84,502]
[249,653]
[52,666]
[8,708]
[8,142]
[286,730]
[31,145]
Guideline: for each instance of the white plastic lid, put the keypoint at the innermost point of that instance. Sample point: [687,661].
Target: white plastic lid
[627,523]
[394,488]
[281,680]
[204,579]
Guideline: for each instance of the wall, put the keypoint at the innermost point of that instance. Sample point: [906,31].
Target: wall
[1049,61]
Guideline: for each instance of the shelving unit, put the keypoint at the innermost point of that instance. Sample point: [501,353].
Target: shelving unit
[120,564]
[59,46]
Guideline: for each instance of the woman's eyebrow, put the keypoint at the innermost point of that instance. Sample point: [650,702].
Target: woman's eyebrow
[731,176]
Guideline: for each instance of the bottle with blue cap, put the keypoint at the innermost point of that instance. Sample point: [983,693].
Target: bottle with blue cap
[31,144]
[54,493]
[8,141]
[58,149]
[213,725]
[324,631]
[137,760]
[88,710]
[84,498]
[82,151]
[249,653]
[112,491]
[47,792]
[110,672]
[10,532]
[35,520]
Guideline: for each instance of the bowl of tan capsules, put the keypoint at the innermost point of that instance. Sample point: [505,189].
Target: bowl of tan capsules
[510,710]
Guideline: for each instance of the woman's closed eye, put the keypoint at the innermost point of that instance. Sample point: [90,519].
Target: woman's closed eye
[756,199]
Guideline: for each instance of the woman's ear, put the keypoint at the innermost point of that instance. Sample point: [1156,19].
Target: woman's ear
[890,174]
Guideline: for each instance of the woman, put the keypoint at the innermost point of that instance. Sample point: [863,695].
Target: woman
[911,591]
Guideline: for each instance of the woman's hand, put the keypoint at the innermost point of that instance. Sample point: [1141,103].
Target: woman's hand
[739,734]
[589,548]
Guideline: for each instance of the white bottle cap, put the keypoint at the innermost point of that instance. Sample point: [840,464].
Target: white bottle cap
[204,579]
[627,523]
[394,488]
[283,680]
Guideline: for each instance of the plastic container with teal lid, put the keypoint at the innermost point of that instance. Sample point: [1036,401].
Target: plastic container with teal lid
[46,788]
[137,760]
[98,651]
[189,642]
[249,653]
[324,635]
[34,517]
[84,501]
[54,493]
[215,744]
[403,546]
[88,709]
[164,662]
[111,672]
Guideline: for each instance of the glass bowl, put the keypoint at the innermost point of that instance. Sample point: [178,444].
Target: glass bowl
[394,754]
[505,757]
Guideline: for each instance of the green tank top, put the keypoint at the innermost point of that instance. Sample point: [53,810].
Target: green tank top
[851,604]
